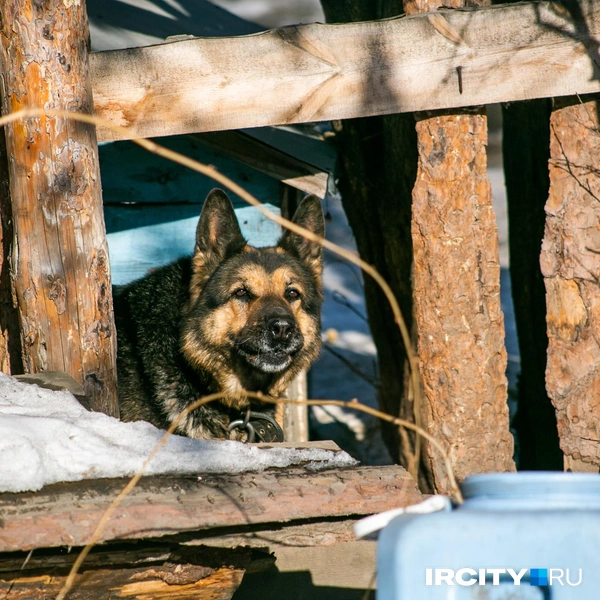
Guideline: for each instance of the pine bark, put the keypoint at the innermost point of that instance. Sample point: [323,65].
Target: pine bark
[571,266]
[60,259]
[456,288]
[456,309]
[457,298]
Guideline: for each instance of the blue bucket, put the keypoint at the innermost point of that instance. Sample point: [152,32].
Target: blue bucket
[517,536]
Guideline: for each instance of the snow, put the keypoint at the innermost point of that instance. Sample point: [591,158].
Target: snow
[48,436]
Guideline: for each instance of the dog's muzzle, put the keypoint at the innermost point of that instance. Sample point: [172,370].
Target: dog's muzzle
[271,345]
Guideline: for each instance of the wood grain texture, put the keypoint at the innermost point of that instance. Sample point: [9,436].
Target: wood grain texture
[60,258]
[135,583]
[322,72]
[456,287]
[66,514]
[457,299]
[309,534]
[570,263]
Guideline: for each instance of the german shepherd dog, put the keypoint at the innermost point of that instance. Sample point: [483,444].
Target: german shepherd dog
[231,318]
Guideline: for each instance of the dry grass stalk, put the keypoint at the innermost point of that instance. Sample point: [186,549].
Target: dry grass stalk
[211,172]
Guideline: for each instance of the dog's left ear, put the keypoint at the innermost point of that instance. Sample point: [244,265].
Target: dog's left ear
[218,236]
[309,215]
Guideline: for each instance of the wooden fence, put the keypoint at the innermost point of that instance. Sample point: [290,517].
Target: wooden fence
[440,60]
[447,59]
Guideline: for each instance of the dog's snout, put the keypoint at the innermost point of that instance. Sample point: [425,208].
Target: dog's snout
[281,328]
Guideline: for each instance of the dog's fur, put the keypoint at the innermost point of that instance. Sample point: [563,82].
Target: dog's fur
[231,318]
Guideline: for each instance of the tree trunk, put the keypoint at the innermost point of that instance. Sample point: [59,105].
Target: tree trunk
[377,172]
[526,151]
[456,283]
[457,298]
[60,259]
[469,410]
[571,266]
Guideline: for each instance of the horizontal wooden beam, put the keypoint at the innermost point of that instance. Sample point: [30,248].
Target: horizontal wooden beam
[448,59]
[66,514]
[268,160]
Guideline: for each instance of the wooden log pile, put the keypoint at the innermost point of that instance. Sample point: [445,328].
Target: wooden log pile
[182,537]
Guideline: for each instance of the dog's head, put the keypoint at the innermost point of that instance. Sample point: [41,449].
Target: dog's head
[253,318]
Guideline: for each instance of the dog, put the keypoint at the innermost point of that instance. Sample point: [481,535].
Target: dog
[231,318]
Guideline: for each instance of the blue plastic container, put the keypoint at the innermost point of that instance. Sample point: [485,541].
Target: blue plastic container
[540,528]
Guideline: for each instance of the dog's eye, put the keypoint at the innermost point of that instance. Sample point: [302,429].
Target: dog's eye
[292,294]
[241,293]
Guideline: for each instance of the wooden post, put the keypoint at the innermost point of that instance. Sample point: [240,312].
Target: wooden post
[293,418]
[377,169]
[571,266]
[60,259]
[456,287]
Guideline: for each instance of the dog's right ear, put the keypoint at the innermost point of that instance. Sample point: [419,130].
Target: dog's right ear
[218,236]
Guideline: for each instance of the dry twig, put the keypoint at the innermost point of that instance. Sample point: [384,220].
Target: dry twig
[211,172]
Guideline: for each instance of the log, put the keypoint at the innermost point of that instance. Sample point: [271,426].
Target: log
[60,259]
[377,169]
[323,72]
[133,582]
[456,283]
[67,514]
[211,574]
[132,570]
[456,290]
[571,266]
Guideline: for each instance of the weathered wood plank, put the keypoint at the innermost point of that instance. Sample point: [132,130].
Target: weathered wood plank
[142,237]
[148,178]
[60,260]
[322,72]
[66,514]
[570,263]
[137,553]
[269,160]
[272,537]
[343,571]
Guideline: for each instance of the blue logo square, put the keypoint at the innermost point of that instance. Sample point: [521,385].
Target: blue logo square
[538,577]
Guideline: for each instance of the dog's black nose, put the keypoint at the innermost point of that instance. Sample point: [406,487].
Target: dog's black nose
[281,328]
